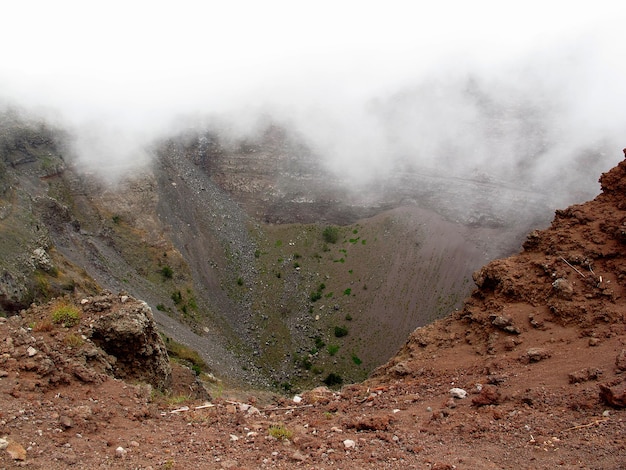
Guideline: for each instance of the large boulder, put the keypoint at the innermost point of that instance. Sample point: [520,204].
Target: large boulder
[126,330]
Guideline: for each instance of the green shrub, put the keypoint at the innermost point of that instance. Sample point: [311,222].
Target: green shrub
[240,281]
[356,360]
[315,296]
[67,315]
[330,234]
[280,432]
[167,272]
[341,331]
[333,379]
[348,291]
[332,349]
[177,297]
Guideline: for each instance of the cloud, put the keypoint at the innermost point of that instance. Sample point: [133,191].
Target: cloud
[367,83]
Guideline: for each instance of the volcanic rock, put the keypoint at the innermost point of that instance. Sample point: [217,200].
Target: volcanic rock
[129,333]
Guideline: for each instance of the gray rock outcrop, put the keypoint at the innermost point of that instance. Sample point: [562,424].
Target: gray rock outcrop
[128,332]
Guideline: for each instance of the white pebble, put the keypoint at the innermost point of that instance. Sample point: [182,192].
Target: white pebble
[458,393]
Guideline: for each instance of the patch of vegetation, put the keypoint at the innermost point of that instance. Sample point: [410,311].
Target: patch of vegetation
[177,297]
[332,349]
[257,253]
[341,331]
[45,325]
[319,342]
[356,360]
[167,272]
[184,354]
[67,315]
[348,291]
[304,362]
[73,341]
[315,296]
[331,234]
[280,432]
[348,317]
[116,219]
[161,308]
[333,379]
[240,281]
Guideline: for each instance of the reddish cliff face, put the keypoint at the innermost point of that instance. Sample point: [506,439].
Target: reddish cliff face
[569,278]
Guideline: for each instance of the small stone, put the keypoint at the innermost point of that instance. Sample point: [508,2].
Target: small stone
[594,342]
[66,421]
[489,395]
[120,452]
[458,393]
[134,444]
[297,399]
[535,355]
[298,456]
[31,351]
[233,438]
[614,395]
[16,451]
[3,443]
[564,289]
[584,375]
[349,444]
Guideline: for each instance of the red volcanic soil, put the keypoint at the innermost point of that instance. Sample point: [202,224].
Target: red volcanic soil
[539,349]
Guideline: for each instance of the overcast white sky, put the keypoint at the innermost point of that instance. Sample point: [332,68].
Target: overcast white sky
[133,66]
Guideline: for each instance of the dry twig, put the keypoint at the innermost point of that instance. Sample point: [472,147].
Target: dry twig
[593,423]
[567,262]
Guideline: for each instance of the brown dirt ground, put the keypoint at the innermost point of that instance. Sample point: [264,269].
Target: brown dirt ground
[532,346]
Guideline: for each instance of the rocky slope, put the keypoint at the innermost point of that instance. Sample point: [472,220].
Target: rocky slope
[224,239]
[531,373]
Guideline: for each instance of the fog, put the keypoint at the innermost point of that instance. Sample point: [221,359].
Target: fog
[530,93]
